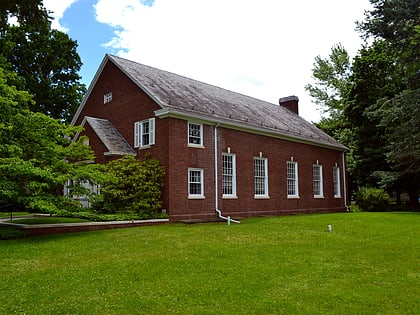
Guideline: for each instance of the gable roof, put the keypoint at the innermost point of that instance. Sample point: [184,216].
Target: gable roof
[184,97]
[109,135]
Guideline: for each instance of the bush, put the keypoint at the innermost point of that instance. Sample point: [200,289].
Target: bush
[136,189]
[373,199]
[11,233]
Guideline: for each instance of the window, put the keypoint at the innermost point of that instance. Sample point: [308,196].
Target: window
[195,134]
[228,174]
[292,179]
[107,98]
[195,183]
[260,177]
[336,181]
[144,133]
[317,179]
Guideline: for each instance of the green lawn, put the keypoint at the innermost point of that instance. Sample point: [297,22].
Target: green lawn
[369,264]
[5,215]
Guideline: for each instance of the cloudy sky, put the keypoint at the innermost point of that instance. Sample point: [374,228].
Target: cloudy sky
[264,48]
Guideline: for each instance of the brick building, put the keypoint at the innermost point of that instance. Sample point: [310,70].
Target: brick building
[224,153]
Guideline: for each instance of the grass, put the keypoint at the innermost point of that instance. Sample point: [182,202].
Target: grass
[369,264]
[5,215]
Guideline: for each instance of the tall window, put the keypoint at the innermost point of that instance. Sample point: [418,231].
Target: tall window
[228,174]
[195,183]
[195,134]
[144,133]
[292,179]
[336,180]
[260,177]
[317,179]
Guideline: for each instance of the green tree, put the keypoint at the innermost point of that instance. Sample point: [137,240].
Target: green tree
[136,188]
[34,153]
[397,23]
[46,59]
[329,90]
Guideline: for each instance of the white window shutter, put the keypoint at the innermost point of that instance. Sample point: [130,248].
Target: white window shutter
[137,134]
[151,131]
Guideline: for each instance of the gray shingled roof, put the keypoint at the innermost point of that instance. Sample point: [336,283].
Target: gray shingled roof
[197,99]
[110,137]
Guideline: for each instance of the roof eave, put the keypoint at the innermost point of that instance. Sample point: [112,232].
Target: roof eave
[171,112]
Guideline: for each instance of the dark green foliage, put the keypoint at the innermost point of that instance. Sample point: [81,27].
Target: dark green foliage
[136,188]
[11,233]
[45,59]
[102,217]
[373,199]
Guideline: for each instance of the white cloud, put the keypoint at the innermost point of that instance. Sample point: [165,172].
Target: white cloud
[264,48]
[58,7]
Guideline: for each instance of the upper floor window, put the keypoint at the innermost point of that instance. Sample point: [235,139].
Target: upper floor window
[336,181]
[195,183]
[260,177]
[107,98]
[317,181]
[292,180]
[195,134]
[144,133]
[228,175]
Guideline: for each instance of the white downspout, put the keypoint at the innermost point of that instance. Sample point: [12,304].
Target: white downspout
[344,181]
[216,181]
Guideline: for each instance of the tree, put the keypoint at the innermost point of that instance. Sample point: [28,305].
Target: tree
[46,59]
[373,79]
[34,150]
[330,75]
[329,91]
[26,12]
[397,23]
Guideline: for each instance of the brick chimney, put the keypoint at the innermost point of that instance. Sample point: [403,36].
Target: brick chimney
[291,103]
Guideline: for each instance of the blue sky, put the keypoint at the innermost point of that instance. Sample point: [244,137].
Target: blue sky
[265,49]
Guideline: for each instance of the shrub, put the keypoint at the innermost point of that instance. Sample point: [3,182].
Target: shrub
[373,199]
[11,233]
[136,189]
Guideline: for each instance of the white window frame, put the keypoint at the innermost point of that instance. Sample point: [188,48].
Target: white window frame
[107,98]
[200,182]
[228,175]
[292,177]
[318,184]
[139,133]
[194,136]
[336,182]
[260,177]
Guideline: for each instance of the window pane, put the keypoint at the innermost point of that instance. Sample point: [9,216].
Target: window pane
[145,133]
[317,180]
[195,182]
[227,174]
[336,179]
[292,179]
[194,134]
[260,176]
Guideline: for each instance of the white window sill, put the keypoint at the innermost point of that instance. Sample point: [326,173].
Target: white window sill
[196,197]
[229,197]
[319,197]
[337,197]
[197,146]
[293,197]
[145,147]
[261,197]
